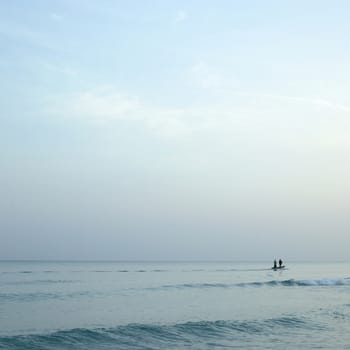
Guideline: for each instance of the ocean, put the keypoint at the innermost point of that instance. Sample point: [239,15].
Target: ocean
[173,305]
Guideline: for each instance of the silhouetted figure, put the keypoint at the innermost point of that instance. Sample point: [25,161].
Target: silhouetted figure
[280,263]
[275,264]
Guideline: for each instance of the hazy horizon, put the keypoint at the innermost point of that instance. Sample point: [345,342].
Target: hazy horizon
[185,130]
[288,263]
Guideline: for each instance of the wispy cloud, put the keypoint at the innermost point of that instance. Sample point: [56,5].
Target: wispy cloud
[321,102]
[205,76]
[56,17]
[235,116]
[22,33]
[59,69]
[181,16]
[103,106]
[100,105]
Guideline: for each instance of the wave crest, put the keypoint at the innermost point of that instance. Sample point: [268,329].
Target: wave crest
[301,283]
[272,283]
[135,336]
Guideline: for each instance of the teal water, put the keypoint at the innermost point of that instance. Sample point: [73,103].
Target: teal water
[161,305]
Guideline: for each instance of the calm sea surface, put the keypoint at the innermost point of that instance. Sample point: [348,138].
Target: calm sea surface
[158,305]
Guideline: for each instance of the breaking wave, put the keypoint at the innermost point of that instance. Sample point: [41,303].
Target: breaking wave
[301,283]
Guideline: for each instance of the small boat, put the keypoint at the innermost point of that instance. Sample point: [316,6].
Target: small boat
[278,268]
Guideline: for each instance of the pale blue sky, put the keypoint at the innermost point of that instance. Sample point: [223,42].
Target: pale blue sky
[174,129]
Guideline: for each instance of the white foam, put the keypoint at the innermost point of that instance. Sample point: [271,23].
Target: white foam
[325,282]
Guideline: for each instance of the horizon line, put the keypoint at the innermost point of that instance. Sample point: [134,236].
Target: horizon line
[172,260]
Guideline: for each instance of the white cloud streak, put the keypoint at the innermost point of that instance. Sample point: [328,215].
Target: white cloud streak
[205,76]
[103,106]
[110,106]
[312,101]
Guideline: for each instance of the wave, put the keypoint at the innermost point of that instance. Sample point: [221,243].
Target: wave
[243,270]
[272,283]
[36,282]
[59,295]
[89,271]
[301,283]
[38,296]
[201,334]
[196,285]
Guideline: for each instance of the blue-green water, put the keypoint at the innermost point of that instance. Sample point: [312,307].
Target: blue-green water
[158,305]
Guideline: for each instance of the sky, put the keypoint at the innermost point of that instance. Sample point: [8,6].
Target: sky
[174,130]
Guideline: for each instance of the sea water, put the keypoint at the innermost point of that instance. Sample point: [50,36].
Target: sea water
[174,305]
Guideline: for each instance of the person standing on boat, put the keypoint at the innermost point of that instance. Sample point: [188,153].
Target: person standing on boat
[275,264]
[280,263]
